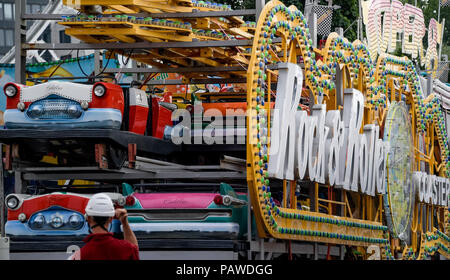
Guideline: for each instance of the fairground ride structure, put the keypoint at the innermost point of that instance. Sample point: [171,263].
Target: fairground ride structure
[401,212]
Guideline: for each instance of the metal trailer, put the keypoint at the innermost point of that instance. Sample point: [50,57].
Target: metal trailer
[141,169]
[147,170]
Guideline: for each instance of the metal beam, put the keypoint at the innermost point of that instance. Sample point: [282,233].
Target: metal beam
[259,6]
[20,38]
[139,45]
[19,184]
[197,81]
[62,244]
[68,78]
[156,82]
[111,176]
[2,198]
[297,248]
[194,14]
[187,70]
[176,70]
[232,163]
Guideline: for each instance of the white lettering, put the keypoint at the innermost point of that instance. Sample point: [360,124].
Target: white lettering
[431,188]
[321,146]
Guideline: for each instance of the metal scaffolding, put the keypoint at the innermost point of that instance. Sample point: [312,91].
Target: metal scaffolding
[150,170]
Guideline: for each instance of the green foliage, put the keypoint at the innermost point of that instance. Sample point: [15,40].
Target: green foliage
[430,10]
[345,16]
[299,4]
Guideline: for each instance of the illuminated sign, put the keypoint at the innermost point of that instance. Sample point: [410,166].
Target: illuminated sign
[387,21]
[323,146]
[400,194]
[432,189]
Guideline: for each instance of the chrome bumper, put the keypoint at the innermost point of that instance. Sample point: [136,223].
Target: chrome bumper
[91,118]
[18,229]
[185,230]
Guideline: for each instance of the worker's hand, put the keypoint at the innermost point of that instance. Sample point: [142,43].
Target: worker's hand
[121,215]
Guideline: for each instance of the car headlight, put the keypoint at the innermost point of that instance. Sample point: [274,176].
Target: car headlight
[56,222]
[75,221]
[38,221]
[12,202]
[74,110]
[36,110]
[10,90]
[99,90]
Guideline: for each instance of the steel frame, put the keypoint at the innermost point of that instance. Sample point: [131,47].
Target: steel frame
[230,169]
[194,14]
[137,45]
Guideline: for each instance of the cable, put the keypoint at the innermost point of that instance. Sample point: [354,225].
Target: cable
[124,63]
[237,48]
[101,72]
[128,58]
[149,77]
[79,65]
[109,59]
[57,67]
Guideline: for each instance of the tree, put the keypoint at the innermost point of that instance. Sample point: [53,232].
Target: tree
[345,16]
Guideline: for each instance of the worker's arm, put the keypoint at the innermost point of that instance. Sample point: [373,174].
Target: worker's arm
[128,234]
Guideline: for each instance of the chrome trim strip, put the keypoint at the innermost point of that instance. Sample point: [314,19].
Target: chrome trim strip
[181,214]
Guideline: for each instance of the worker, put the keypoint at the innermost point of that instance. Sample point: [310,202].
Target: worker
[100,244]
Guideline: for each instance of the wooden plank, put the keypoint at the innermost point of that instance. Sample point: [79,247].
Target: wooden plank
[123,9]
[204,60]
[240,32]
[148,35]
[150,7]
[124,38]
[85,38]
[241,59]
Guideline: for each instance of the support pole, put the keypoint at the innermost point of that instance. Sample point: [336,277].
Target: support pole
[19,184]
[249,225]
[135,65]
[340,31]
[2,196]
[358,31]
[439,10]
[390,29]
[4,241]
[19,39]
[313,30]
[261,249]
[259,4]
[97,62]
[441,40]
[316,251]
[429,82]
[342,252]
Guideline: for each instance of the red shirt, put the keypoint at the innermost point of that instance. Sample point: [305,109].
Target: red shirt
[103,246]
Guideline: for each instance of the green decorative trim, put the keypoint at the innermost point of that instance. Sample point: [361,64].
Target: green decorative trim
[43,64]
[333,235]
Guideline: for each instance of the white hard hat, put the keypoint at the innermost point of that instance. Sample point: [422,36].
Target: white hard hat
[100,205]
